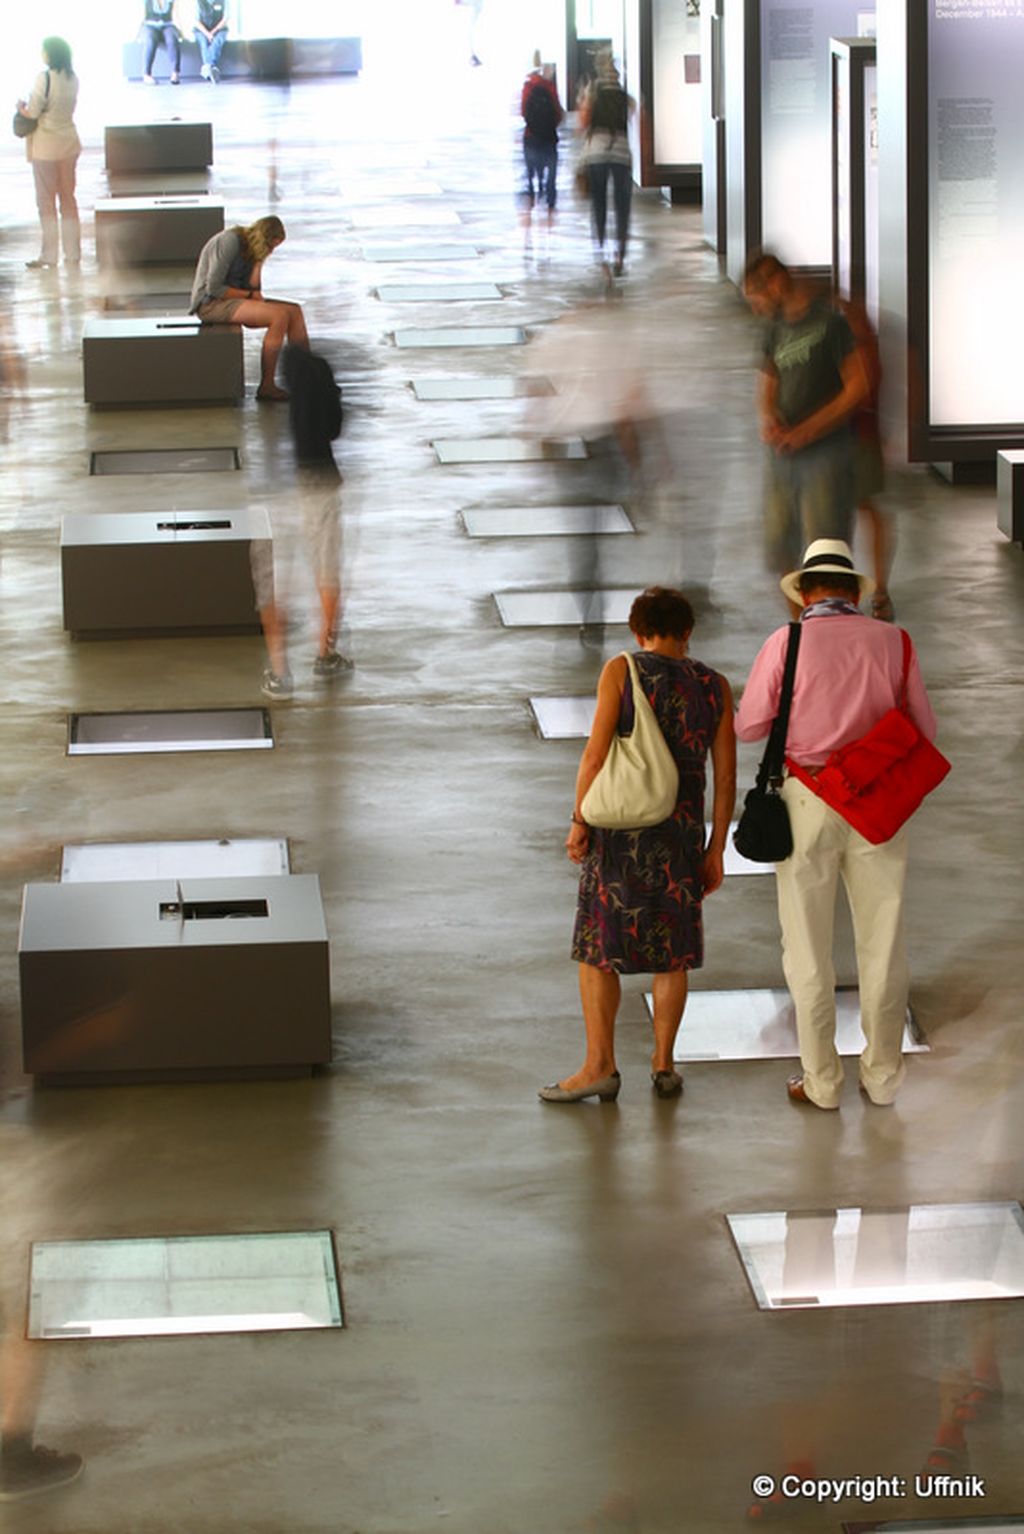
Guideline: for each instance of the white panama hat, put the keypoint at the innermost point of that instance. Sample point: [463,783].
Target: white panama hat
[825,556]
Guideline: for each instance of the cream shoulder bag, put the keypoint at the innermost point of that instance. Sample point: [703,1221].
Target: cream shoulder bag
[638,782]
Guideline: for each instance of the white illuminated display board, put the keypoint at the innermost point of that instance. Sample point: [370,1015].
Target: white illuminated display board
[796,125]
[871,192]
[976,212]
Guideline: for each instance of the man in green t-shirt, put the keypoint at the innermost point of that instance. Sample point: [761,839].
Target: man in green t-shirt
[812,382]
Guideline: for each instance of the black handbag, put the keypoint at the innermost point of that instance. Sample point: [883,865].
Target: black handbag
[24,125]
[763,834]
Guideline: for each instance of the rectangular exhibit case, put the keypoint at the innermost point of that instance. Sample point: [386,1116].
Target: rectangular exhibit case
[160,360]
[150,572]
[149,231]
[130,147]
[145,979]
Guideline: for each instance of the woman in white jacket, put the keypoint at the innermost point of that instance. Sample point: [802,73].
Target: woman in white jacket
[53,148]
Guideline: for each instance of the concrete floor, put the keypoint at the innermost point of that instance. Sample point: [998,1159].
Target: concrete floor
[548,1328]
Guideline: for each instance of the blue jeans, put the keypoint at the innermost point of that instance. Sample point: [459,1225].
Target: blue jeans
[598,172]
[542,167]
[210,50]
[171,42]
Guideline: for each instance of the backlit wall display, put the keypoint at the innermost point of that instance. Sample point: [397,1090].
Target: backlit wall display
[976,212]
[871,192]
[796,125]
[676,84]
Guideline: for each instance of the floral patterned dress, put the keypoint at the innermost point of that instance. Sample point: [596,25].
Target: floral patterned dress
[639,906]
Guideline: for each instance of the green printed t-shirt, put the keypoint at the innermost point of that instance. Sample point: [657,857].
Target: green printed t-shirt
[807,355]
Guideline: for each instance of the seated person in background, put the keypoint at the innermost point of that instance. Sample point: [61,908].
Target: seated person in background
[158,23]
[210,33]
[227,290]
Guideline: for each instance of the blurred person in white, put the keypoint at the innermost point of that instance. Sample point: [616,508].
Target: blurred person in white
[307,525]
[52,149]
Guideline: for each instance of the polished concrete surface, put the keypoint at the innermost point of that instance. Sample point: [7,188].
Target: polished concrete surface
[548,1330]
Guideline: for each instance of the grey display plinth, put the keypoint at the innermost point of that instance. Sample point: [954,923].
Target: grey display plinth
[144,979]
[1010,493]
[160,360]
[146,231]
[157,146]
[160,572]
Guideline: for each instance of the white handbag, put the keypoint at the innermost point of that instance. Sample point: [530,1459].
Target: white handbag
[638,783]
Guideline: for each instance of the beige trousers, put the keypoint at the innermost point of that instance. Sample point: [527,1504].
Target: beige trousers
[825,849]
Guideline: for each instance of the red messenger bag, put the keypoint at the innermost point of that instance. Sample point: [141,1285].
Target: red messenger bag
[877,782]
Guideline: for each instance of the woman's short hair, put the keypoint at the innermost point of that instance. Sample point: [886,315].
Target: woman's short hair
[661,613]
[817,580]
[58,54]
[260,238]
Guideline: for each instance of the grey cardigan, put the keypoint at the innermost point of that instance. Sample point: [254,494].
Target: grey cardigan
[213,266]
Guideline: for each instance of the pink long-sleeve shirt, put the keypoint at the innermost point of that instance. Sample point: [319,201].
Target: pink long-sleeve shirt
[848,673]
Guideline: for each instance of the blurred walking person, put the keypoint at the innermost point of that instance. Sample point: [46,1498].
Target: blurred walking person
[813,382]
[53,148]
[604,115]
[542,113]
[305,524]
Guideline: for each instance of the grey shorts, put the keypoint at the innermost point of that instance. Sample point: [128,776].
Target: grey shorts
[807,495]
[218,311]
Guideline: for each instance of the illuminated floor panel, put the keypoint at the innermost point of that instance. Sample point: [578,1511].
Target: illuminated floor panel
[562,609]
[507,450]
[563,718]
[101,861]
[440,292]
[184,1285]
[223,729]
[479,388]
[544,521]
[463,336]
[761,1025]
[922,1253]
[181,460]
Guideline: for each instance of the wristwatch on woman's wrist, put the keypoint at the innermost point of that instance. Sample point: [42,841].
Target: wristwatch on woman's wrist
[578,820]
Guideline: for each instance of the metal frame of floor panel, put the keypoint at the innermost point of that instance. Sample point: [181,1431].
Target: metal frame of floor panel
[174,1286]
[545,521]
[818,1259]
[92,862]
[138,732]
[165,460]
[767,1027]
[604,606]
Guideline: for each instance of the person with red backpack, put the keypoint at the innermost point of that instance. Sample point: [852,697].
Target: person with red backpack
[542,113]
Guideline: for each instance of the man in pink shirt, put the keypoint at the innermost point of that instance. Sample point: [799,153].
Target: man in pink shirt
[848,674]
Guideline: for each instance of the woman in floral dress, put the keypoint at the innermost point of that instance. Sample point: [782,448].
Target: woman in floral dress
[639,908]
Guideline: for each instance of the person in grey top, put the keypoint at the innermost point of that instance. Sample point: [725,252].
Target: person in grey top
[227,289]
[53,150]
